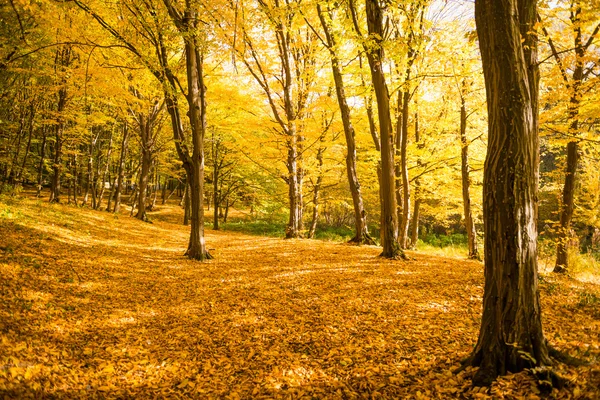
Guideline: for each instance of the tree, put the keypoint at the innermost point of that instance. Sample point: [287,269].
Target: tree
[186,24]
[360,215]
[147,121]
[286,80]
[465,178]
[582,66]
[375,56]
[511,336]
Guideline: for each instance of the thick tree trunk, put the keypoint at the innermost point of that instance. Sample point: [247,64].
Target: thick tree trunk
[511,336]
[466,182]
[360,215]
[391,249]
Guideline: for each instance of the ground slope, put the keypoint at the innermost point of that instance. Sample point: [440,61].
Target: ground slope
[94,305]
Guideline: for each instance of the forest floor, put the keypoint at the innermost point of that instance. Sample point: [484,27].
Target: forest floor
[96,305]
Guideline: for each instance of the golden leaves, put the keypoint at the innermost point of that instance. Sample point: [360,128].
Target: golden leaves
[267,318]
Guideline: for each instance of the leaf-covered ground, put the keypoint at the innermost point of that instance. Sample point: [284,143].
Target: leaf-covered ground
[94,305]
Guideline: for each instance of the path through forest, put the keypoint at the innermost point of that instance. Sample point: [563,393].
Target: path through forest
[94,305]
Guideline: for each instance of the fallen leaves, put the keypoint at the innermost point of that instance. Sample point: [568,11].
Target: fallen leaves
[93,306]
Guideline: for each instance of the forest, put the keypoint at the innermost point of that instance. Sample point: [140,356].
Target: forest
[305,199]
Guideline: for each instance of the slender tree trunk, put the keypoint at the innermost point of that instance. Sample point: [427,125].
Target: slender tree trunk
[391,249]
[121,173]
[414,234]
[143,183]
[57,162]
[40,179]
[466,181]
[568,195]
[10,176]
[163,195]
[156,188]
[19,174]
[197,114]
[405,217]
[105,173]
[511,336]
[316,192]
[187,207]
[75,179]
[293,227]
[216,172]
[111,195]
[360,215]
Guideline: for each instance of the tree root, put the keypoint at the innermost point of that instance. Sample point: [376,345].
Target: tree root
[464,364]
[363,239]
[548,379]
[566,358]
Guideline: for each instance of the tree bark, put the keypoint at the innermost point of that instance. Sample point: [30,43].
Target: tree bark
[511,336]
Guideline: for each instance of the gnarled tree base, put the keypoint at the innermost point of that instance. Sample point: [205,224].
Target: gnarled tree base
[198,255]
[364,238]
[547,378]
[396,254]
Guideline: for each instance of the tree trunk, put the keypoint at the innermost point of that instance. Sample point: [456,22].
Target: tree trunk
[187,208]
[143,183]
[414,234]
[163,194]
[121,173]
[40,179]
[404,219]
[58,143]
[568,194]
[216,171]
[466,181]
[567,208]
[19,174]
[360,215]
[316,191]
[75,180]
[391,249]
[293,228]
[197,115]
[511,336]
[105,173]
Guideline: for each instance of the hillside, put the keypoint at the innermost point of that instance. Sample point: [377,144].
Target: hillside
[96,305]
